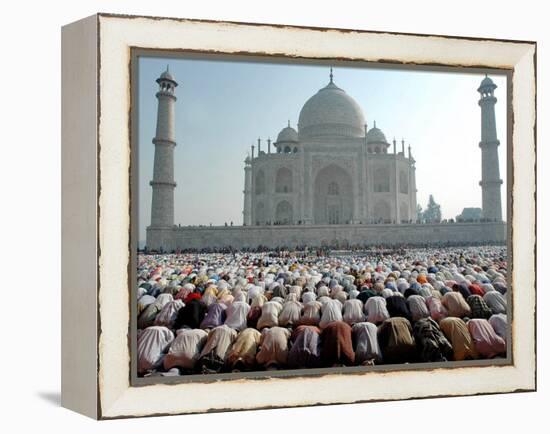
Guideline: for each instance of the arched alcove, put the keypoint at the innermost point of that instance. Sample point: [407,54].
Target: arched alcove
[259,215]
[283,213]
[381,180]
[259,186]
[382,212]
[283,181]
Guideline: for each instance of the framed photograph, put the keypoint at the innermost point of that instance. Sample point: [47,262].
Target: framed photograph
[262,216]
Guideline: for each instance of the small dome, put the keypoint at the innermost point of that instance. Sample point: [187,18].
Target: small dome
[287,134]
[487,83]
[167,76]
[331,112]
[375,135]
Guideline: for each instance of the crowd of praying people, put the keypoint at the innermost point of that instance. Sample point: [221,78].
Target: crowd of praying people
[239,312]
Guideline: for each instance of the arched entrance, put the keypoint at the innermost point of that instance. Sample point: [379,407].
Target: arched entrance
[382,212]
[333,196]
[283,213]
[260,214]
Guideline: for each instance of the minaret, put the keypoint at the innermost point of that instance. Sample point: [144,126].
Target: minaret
[247,206]
[412,185]
[162,205]
[396,186]
[490,175]
[366,174]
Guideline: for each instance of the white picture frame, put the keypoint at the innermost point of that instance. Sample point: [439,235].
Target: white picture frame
[97,204]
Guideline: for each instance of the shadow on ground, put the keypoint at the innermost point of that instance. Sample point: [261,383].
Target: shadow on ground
[52,398]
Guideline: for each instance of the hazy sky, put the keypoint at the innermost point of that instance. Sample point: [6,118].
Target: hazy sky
[224,106]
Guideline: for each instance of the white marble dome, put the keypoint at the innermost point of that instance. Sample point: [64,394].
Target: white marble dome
[331,112]
[375,135]
[287,134]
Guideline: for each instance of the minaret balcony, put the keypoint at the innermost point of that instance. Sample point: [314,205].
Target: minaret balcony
[488,100]
[157,141]
[489,143]
[160,183]
[166,94]
[493,183]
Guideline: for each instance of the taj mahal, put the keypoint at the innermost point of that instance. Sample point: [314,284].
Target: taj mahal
[332,170]
[332,181]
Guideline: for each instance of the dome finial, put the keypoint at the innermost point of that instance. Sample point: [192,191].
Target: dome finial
[374,123]
[331,75]
[289,123]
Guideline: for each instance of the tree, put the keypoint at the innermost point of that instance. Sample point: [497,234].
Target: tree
[419,213]
[433,211]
